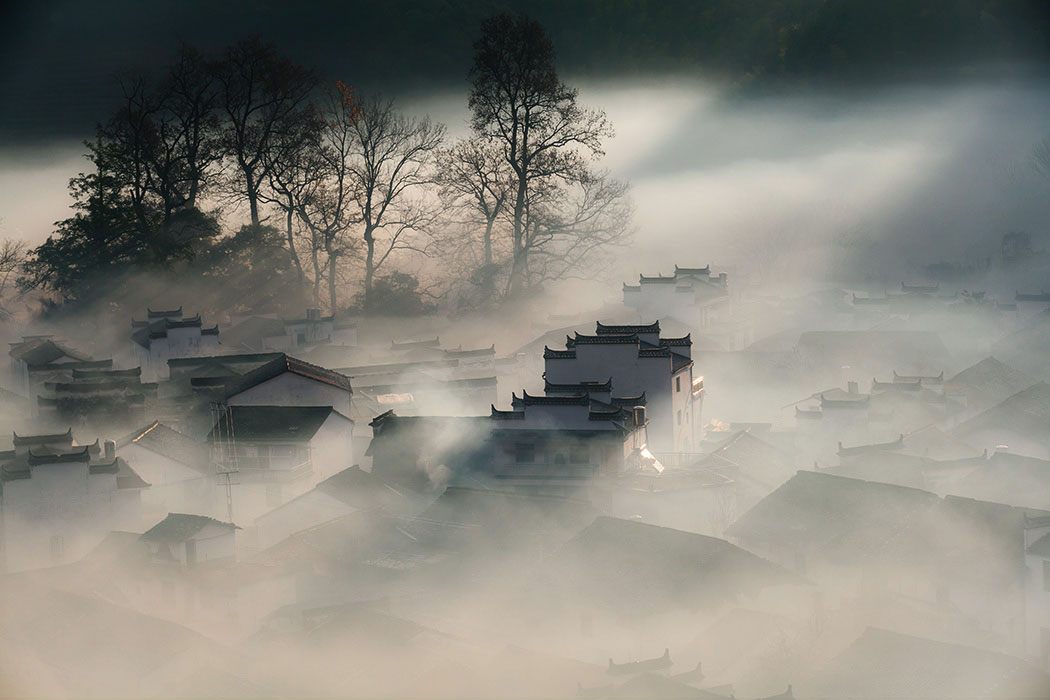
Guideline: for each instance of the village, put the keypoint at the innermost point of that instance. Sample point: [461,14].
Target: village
[696,490]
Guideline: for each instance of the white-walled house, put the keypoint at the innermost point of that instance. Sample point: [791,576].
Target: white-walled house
[558,440]
[38,351]
[59,500]
[191,540]
[178,468]
[639,362]
[268,332]
[691,294]
[276,453]
[347,492]
[167,334]
[1037,590]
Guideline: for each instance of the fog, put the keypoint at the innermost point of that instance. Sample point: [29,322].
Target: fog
[856,506]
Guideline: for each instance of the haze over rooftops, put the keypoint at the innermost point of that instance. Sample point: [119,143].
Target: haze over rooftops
[843,518]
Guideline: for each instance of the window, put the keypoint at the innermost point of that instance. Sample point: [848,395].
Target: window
[58,548]
[524,453]
[578,456]
[677,384]
[679,418]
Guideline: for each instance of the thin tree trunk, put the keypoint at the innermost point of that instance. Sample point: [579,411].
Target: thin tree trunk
[370,257]
[291,244]
[488,240]
[332,257]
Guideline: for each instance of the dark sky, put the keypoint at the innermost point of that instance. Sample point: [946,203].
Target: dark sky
[59,58]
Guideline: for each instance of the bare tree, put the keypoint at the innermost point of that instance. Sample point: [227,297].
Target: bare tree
[476,181]
[570,229]
[12,264]
[295,171]
[188,130]
[330,207]
[392,167]
[519,104]
[261,94]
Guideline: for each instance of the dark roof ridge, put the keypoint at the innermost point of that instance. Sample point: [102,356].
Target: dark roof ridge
[38,439]
[626,329]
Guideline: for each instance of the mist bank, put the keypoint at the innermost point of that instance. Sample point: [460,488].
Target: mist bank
[867,189]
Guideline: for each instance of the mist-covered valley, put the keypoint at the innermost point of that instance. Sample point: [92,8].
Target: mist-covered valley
[698,387]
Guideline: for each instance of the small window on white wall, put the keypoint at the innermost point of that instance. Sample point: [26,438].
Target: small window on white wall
[677,383]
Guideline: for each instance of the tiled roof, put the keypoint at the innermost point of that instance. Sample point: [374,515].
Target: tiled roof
[286,363]
[629,329]
[578,388]
[550,354]
[42,351]
[529,400]
[843,519]
[266,423]
[169,443]
[897,444]
[179,527]
[19,440]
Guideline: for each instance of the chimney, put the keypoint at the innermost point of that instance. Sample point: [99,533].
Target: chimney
[851,387]
[638,412]
[313,314]
[110,450]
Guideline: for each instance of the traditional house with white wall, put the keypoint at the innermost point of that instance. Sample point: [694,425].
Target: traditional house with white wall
[188,540]
[276,453]
[691,294]
[58,500]
[267,332]
[557,440]
[179,469]
[99,398]
[38,351]
[1037,590]
[168,334]
[639,362]
[288,381]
